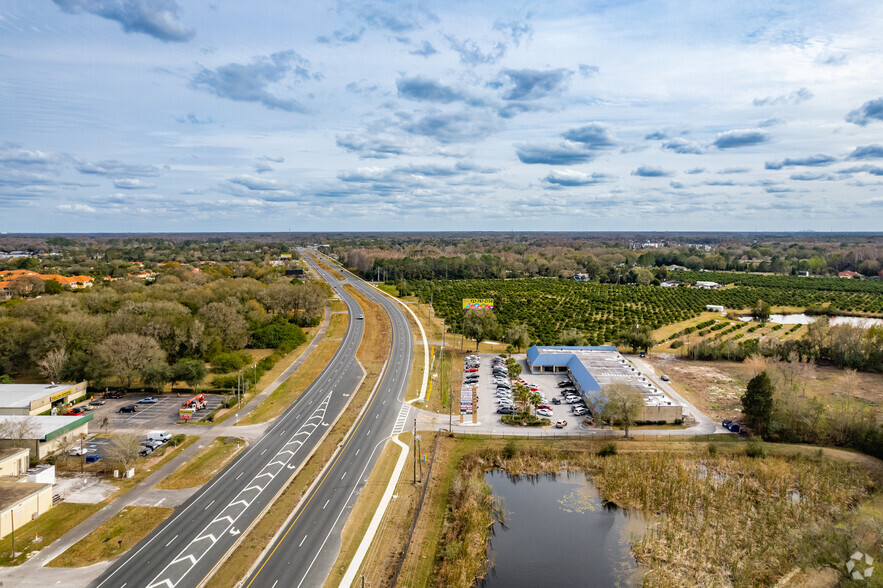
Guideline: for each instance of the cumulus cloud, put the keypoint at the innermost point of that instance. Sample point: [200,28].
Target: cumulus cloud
[868,169]
[255,183]
[342,37]
[811,176]
[740,138]
[809,161]
[373,146]
[870,111]
[561,154]
[795,97]
[398,18]
[132,184]
[591,136]
[586,70]
[646,171]
[515,30]
[694,171]
[14,154]
[471,54]
[733,170]
[158,18]
[113,167]
[424,89]
[656,136]
[450,127]
[571,177]
[424,50]
[251,82]
[867,152]
[681,145]
[194,120]
[531,84]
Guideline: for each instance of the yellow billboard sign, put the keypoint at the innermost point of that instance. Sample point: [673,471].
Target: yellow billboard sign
[487,303]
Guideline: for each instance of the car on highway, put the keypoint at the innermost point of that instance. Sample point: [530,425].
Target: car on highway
[544,412]
[665,378]
[97,401]
[360,318]
[128,408]
[148,400]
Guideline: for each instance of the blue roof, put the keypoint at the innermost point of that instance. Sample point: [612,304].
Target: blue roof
[535,356]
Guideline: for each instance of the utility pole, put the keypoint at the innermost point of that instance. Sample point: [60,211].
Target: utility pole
[415,451]
[12,513]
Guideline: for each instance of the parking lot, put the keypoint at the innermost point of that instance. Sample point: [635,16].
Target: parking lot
[547,383]
[160,415]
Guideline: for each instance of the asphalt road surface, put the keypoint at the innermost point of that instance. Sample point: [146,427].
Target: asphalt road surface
[185,549]
[305,551]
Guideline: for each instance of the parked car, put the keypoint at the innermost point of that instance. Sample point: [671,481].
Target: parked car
[78,451]
[145,451]
[546,406]
[148,400]
[560,424]
[556,401]
[129,408]
[544,412]
[506,410]
[152,444]
[161,436]
[665,378]
[726,423]
[113,394]
[471,370]
[97,401]
[76,411]
[579,410]
[734,427]
[572,399]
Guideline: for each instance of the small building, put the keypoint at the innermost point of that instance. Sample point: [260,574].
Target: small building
[582,278]
[670,284]
[703,285]
[677,268]
[21,502]
[849,274]
[34,399]
[803,274]
[45,434]
[13,461]
[714,308]
[295,273]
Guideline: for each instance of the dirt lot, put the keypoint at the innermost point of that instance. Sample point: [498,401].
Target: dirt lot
[716,387]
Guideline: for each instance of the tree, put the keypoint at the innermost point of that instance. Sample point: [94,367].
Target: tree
[191,371]
[26,286]
[52,364]
[6,379]
[761,312]
[225,324]
[639,339]
[757,403]
[53,287]
[124,450]
[514,368]
[517,337]
[522,397]
[125,355]
[156,375]
[624,404]
[571,338]
[19,430]
[480,324]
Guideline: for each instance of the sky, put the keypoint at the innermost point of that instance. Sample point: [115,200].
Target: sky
[366,115]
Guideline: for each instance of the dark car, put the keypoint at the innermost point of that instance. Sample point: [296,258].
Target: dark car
[734,427]
[97,401]
[556,401]
[506,410]
[129,408]
[113,394]
[726,423]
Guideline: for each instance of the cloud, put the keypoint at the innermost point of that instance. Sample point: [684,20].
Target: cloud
[251,82]
[75,208]
[13,154]
[694,171]
[733,170]
[867,152]
[342,37]
[425,50]
[591,136]
[264,189]
[562,154]
[132,184]
[272,159]
[513,109]
[531,84]
[740,138]
[811,176]
[194,120]
[451,127]
[471,54]
[646,171]
[868,112]
[834,59]
[398,18]
[570,177]
[587,71]
[515,30]
[157,18]
[262,168]
[870,169]
[656,136]
[809,161]
[796,97]
[424,89]
[254,183]
[113,167]
[373,146]
[681,145]
[770,122]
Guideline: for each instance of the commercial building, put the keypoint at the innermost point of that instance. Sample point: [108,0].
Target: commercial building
[42,435]
[592,368]
[21,501]
[69,282]
[34,399]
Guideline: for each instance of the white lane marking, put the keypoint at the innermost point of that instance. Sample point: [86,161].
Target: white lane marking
[240,474]
[170,542]
[343,476]
[208,505]
[326,503]
[302,541]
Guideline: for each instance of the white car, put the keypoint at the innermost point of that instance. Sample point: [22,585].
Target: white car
[579,410]
[545,412]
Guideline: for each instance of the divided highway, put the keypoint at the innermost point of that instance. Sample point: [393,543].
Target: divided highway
[305,551]
[186,548]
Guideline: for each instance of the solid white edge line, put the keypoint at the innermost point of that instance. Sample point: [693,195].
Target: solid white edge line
[349,577]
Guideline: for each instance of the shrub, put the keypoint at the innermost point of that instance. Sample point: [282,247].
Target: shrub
[510,450]
[176,440]
[225,382]
[712,449]
[677,344]
[607,450]
[275,334]
[223,363]
[230,401]
[756,449]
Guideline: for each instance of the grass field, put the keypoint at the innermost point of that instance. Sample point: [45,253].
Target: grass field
[337,327]
[49,527]
[371,353]
[114,537]
[281,398]
[203,467]
[338,306]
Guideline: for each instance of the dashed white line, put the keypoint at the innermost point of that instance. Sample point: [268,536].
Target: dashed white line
[326,503]
[208,505]
[170,542]
[240,474]
[302,541]
[343,476]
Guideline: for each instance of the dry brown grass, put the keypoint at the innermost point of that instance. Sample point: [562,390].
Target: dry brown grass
[371,354]
[204,466]
[337,327]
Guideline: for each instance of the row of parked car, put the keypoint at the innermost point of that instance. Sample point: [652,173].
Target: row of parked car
[155,440]
[500,372]
[731,426]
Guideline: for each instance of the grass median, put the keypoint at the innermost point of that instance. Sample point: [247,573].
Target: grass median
[371,354]
[283,397]
[204,466]
[113,537]
[337,328]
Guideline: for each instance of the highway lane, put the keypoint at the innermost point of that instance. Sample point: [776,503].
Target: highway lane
[306,550]
[183,551]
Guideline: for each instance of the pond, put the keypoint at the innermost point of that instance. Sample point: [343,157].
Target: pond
[805,319]
[558,531]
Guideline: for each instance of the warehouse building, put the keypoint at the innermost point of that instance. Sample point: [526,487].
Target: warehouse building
[42,435]
[592,368]
[34,399]
[21,501]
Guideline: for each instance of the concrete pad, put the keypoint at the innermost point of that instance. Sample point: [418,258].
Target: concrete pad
[83,490]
